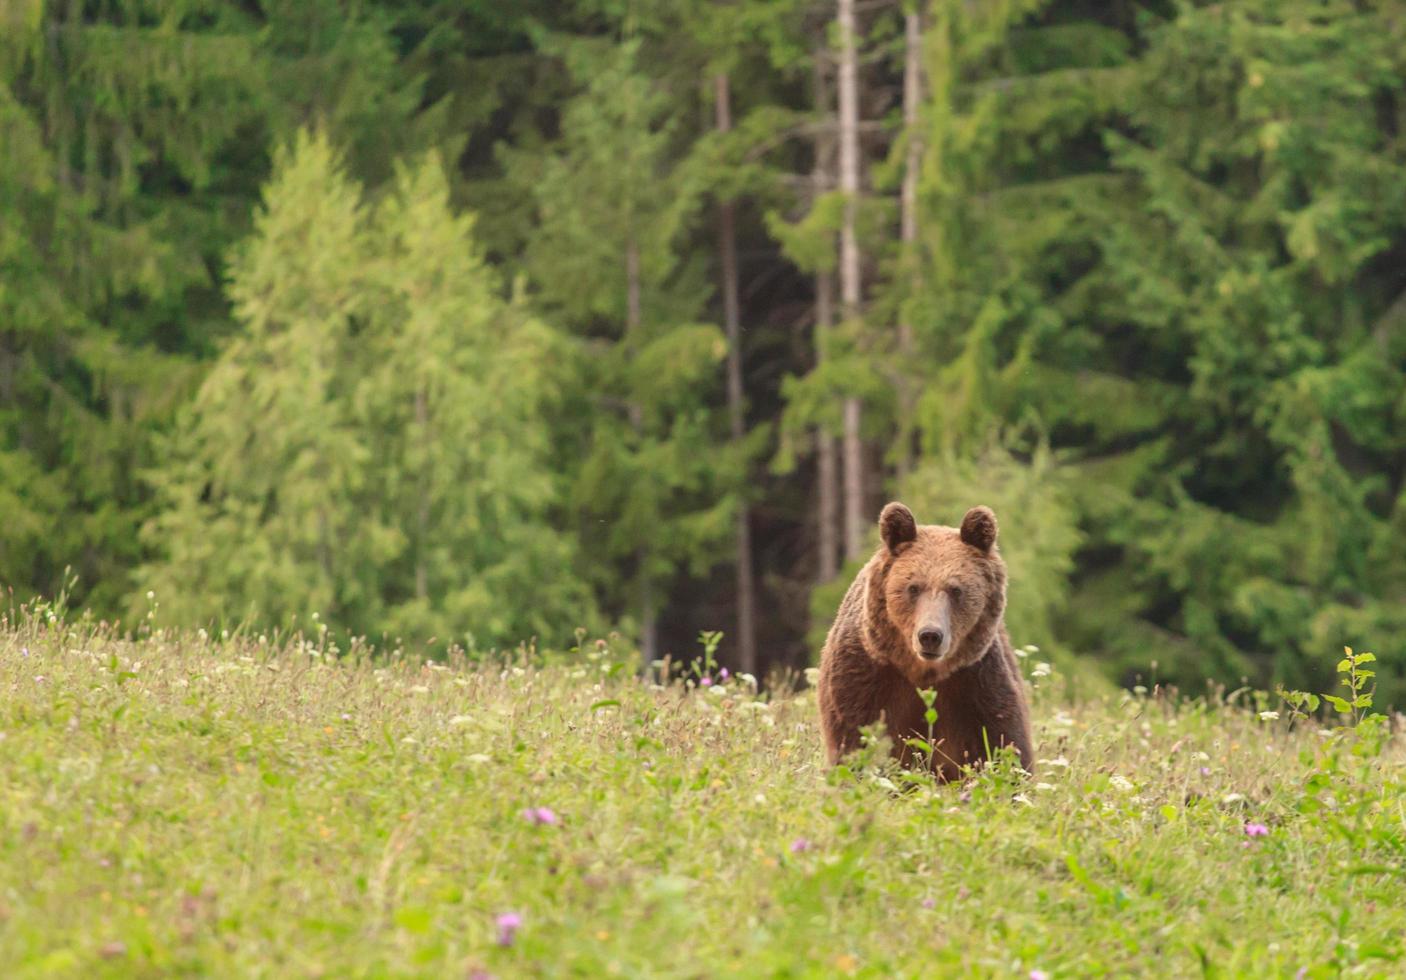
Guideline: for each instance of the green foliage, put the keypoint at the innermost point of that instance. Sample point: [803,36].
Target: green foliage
[1158,249]
[1353,675]
[1153,302]
[657,484]
[133,140]
[374,446]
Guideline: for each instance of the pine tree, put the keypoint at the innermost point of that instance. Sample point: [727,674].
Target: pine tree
[133,140]
[374,446]
[659,482]
[260,489]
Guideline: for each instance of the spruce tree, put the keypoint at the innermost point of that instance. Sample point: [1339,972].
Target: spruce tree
[373,446]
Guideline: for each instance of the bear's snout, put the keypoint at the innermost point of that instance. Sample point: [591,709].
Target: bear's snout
[930,642]
[932,634]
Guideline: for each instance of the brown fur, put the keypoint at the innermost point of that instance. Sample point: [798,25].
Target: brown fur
[927,582]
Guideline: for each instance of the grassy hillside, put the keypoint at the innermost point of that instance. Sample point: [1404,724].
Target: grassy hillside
[181,805]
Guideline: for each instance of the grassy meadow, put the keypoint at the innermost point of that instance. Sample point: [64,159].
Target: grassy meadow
[185,805]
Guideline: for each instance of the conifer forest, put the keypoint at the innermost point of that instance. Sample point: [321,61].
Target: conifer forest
[481,323]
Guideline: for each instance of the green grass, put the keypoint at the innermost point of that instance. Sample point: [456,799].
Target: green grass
[182,806]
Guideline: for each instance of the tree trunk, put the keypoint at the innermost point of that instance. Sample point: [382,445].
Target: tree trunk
[649,625]
[851,287]
[732,321]
[827,564]
[908,228]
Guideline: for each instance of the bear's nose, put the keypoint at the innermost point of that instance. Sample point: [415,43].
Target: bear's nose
[930,640]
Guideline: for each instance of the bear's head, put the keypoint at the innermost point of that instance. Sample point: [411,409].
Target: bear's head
[935,595]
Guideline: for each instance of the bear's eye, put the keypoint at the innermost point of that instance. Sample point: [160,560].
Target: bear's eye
[955,592]
[914,590]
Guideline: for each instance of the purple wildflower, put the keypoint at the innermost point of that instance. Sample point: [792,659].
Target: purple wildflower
[539,815]
[705,681]
[929,903]
[723,674]
[1256,830]
[799,845]
[508,925]
[1205,771]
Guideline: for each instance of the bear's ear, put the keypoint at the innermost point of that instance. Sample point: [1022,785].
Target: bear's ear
[979,528]
[897,526]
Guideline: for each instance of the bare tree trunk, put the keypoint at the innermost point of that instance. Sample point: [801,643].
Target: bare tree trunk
[732,321]
[908,229]
[851,287]
[908,200]
[827,468]
[649,625]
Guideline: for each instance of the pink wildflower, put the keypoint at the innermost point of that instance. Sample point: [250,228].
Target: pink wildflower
[1256,830]
[508,925]
[800,845]
[539,815]
[723,674]
[706,681]
[929,903]
[1039,975]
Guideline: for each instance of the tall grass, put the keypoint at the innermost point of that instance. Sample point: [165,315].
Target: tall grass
[183,804]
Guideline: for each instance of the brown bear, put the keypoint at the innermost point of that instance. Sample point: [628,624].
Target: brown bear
[927,611]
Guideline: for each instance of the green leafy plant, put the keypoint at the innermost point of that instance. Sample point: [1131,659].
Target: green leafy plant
[1354,675]
[710,640]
